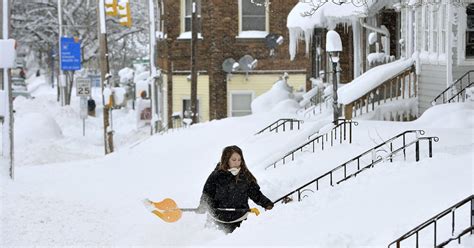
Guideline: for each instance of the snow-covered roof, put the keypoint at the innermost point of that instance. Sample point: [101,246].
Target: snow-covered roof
[323,16]
[371,79]
[327,16]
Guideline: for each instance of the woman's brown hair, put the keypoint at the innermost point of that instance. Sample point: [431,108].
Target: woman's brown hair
[224,163]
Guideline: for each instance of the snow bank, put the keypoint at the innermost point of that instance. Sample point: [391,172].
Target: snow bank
[279,92]
[371,79]
[126,74]
[35,127]
[452,115]
[286,106]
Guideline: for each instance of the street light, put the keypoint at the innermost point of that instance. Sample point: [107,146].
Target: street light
[333,48]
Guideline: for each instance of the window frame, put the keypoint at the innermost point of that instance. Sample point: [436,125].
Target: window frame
[426,28]
[254,33]
[434,29]
[182,25]
[239,92]
[461,41]
[443,25]
[466,36]
[198,107]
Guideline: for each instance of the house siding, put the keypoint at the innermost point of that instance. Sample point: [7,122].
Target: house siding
[432,82]
[182,90]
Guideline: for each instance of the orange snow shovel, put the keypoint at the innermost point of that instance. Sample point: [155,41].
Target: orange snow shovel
[168,210]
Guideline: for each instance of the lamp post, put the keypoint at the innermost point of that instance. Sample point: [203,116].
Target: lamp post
[333,48]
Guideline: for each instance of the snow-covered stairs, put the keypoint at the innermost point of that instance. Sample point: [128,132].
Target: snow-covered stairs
[385,151]
[463,206]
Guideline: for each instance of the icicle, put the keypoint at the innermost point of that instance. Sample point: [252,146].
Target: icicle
[308,33]
[294,37]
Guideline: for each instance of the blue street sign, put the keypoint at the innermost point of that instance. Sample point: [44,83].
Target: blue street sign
[70,54]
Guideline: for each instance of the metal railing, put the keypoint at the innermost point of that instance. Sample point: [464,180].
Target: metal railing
[280,123]
[353,167]
[455,91]
[434,220]
[344,127]
[402,85]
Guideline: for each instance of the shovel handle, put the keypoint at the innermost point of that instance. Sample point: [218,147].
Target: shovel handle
[220,209]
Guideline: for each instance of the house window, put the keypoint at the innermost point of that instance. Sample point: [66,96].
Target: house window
[240,104]
[426,28]
[187,17]
[434,32]
[443,29]
[252,17]
[470,31]
[187,113]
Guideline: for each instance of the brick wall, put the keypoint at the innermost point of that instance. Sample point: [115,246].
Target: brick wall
[220,26]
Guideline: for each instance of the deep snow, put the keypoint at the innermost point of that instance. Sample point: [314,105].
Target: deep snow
[78,197]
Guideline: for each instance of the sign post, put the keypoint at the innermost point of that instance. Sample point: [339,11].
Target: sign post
[83,90]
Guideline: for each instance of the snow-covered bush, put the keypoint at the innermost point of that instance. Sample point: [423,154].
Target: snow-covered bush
[126,74]
[279,92]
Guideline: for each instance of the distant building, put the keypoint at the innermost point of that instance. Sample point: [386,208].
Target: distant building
[228,29]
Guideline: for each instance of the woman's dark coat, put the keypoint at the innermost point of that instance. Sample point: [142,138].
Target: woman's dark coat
[224,190]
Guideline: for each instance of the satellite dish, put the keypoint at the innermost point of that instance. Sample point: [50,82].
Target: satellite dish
[247,63]
[229,65]
[273,40]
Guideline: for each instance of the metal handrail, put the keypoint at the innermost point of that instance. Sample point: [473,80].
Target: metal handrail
[450,87]
[283,123]
[458,237]
[460,93]
[374,160]
[415,231]
[333,133]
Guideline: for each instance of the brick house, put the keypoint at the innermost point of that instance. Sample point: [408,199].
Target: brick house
[229,29]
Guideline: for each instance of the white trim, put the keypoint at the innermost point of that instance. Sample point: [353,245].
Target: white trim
[244,34]
[188,36]
[238,92]
[252,35]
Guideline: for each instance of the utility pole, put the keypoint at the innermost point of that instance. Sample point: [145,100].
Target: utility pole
[161,103]
[105,76]
[194,39]
[61,76]
[153,69]
[7,130]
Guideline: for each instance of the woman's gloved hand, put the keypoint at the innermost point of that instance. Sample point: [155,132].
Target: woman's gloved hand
[269,207]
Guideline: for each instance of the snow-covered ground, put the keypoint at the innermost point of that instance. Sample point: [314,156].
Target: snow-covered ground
[47,133]
[78,197]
